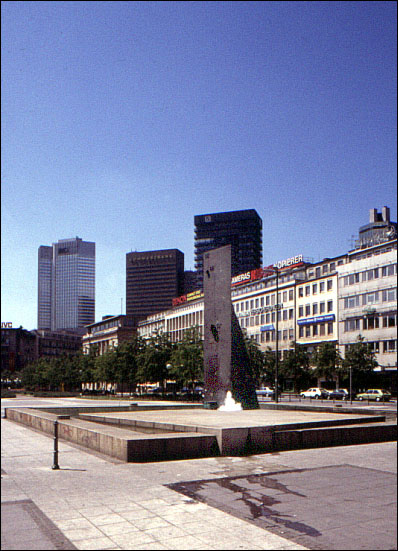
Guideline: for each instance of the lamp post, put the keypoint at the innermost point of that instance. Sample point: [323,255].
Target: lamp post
[277,338]
[350,384]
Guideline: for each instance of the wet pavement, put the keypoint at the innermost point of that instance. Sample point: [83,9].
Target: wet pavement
[332,507]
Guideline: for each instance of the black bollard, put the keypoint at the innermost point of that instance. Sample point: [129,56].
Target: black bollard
[55,465]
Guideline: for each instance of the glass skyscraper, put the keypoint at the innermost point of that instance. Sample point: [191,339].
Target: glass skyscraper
[66,285]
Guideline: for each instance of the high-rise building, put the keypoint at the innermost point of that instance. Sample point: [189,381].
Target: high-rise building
[153,279]
[379,229]
[242,229]
[66,285]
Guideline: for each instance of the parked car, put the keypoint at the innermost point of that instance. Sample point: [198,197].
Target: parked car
[266,392]
[377,394]
[338,394]
[315,393]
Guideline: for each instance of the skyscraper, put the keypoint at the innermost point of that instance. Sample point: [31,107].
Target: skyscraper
[153,279]
[66,284]
[241,228]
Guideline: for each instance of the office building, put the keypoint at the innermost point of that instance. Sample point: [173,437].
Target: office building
[242,229]
[66,285]
[153,279]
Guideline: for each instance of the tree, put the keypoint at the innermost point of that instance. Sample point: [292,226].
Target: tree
[126,361]
[187,359]
[153,359]
[361,359]
[326,360]
[256,359]
[295,366]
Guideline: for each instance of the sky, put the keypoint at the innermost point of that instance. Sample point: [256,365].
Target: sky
[121,121]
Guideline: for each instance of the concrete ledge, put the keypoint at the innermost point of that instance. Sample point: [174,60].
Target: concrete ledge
[118,442]
[334,436]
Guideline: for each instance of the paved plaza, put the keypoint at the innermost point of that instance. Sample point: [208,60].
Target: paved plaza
[330,498]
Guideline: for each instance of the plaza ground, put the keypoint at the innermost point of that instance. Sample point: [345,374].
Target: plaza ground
[330,498]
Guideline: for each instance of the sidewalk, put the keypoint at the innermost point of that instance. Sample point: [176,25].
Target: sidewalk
[96,503]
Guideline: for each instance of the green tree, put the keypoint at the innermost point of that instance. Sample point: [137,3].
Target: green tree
[326,360]
[106,367]
[152,360]
[127,361]
[256,359]
[187,359]
[361,359]
[295,367]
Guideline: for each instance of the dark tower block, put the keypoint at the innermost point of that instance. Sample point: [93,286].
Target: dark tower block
[226,363]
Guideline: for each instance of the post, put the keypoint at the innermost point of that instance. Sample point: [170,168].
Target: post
[277,340]
[351,384]
[55,465]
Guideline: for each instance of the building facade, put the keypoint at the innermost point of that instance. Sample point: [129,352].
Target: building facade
[153,279]
[66,285]
[108,333]
[368,301]
[241,229]
[333,301]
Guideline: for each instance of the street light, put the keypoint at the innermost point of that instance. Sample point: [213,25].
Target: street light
[277,338]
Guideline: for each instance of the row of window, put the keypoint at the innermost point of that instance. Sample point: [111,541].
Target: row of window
[369,323]
[384,347]
[270,317]
[388,295]
[316,330]
[269,300]
[369,275]
[315,309]
[320,287]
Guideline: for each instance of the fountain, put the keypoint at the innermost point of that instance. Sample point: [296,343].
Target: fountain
[230,404]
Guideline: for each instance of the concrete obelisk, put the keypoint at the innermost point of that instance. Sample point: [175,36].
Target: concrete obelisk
[226,363]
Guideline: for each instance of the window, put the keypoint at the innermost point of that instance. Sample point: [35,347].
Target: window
[301,331]
[301,291]
[388,270]
[322,287]
[389,295]
[371,298]
[315,288]
[371,322]
[322,329]
[291,294]
[330,305]
[284,315]
[267,300]
[314,330]
[308,309]
[332,266]
[351,302]
[330,284]
[390,321]
[284,296]
[267,318]
[318,272]
[257,302]
[330,328]
[285,335]
[290,313]
[257,320]
[251,304]
[307,290]
[352,325]
[389,346]
[262,301]
[325,268]
[321,307]
[308,331]
[291,334]
[237,308]
[301,312]
[314,308]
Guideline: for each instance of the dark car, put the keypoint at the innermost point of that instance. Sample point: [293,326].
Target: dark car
[338,394]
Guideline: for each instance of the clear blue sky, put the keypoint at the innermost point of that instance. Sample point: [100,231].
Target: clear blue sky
[123,120]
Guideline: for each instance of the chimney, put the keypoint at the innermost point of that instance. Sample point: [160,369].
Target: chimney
[386,214]
[373,215]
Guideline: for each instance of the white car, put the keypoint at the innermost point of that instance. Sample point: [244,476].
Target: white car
[266,391]
[315,393]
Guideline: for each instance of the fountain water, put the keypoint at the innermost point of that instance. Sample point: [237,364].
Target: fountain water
[230,404]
